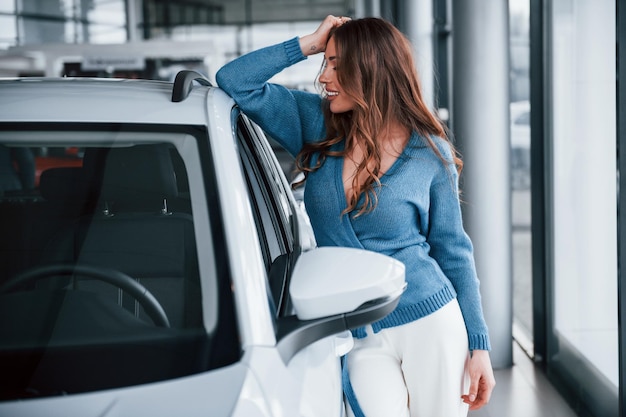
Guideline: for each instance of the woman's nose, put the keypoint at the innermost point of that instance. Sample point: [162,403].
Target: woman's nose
[324,76]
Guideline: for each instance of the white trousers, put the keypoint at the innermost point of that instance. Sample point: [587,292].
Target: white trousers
[415,370]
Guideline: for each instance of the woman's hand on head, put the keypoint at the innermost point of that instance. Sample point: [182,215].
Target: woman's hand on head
[482,380]
[315,42]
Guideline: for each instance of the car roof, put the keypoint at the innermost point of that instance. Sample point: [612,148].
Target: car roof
[104,100]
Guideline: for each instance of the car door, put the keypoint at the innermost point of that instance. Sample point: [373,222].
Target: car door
[281,229]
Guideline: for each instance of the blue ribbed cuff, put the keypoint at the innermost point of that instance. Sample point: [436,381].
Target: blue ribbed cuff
[293,50]
[479,342]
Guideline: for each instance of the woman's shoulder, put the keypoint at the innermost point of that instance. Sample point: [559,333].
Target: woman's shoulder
[432,156]
[420,144]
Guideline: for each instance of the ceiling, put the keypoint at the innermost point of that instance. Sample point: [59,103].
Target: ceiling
[261,11]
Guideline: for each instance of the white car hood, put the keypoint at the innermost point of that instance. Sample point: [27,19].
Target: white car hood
[214,393]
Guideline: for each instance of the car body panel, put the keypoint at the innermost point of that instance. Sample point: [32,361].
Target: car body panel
[241,234]
[217,391]
[116,101]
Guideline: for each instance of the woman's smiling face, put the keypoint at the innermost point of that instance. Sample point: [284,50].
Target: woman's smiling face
[339,101]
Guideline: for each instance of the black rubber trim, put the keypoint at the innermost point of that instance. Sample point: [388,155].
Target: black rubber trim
[294,334]
[183,84]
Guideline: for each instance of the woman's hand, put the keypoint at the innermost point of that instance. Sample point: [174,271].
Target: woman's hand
[316,41]
[482,380]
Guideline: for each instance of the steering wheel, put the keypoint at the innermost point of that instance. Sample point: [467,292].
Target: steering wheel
[153,309]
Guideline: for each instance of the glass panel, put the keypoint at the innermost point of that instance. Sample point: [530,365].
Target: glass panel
[520,173]
[583,115]
[68,21]
[88,230]
[44,8]
[107,12]
[7,6]
[8,34]
[107,21]
[106,34]
[36,31]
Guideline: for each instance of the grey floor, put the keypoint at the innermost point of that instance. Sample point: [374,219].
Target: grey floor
[523,391]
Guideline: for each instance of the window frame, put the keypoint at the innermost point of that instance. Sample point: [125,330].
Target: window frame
[273,210]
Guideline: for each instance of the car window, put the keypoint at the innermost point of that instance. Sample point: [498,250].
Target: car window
[101,282]
[271,208]
[267,186]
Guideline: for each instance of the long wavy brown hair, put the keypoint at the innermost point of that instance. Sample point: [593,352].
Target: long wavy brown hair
[375,67]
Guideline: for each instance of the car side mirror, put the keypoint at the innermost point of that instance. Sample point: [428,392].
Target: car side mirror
[335,289]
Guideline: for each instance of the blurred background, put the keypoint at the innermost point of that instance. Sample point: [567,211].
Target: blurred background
[530,90]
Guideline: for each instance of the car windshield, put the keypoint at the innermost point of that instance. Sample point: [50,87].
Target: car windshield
[102,284]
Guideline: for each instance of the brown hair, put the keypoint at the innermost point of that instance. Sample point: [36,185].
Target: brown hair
[375,67]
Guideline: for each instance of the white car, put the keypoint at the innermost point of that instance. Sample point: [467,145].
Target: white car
[161,265]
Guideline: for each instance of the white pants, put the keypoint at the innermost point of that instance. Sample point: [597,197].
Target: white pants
[418,369]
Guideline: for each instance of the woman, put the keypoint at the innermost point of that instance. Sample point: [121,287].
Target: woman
[382,175]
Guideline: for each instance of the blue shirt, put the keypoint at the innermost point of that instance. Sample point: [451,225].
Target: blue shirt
[418,217]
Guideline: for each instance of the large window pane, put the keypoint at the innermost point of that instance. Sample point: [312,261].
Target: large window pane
[7,6]
[8,35]
[106,34]
[583,116]
[36,31]
[520,173]
[112,12]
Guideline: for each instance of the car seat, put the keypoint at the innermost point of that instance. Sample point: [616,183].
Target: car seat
[133,230]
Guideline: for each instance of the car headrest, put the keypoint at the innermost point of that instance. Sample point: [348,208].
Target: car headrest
[138,175]
[62,184]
